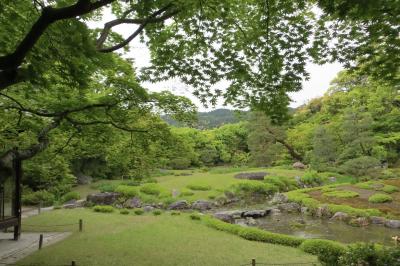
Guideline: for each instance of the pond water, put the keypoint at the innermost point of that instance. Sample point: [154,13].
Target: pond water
[311,227]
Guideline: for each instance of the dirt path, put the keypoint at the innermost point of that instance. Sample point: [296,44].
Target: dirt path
[11,251]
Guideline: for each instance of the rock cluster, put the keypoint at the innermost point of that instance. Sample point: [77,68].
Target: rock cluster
[252,176]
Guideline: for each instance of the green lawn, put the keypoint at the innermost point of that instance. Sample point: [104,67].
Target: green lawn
[115,239]
[216,178]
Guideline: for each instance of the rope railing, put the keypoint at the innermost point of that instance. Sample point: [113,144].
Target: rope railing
[254,263]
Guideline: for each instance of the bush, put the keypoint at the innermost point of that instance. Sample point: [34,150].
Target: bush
[157,212]
[256,234]
[254,188]
[362,166]
[312,178]
[380,198]
[175,213]
[328,252]
[38,197]
[199,187]
[73,195]
[281,182]
[370,254]
[195,216]
[341,194]
[186,193]
[211,197]
[124,211]
[105,187]
[390,189]
[127,191]
[151,189]
[138,211]
[103,209]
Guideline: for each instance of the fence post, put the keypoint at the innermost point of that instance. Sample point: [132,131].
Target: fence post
[253,262]
[73,263]
[40,241]
[80,225]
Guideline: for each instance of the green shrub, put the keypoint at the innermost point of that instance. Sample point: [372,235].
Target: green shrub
[328,252]
[175,213]
[151,189]
[38,197]
[222,226]
[105,187]
[104,209]
[341,194]
[200,187]
[127,191]
[312,178]
[370,254]
[389,189]
[157,212]
[195,216]
[211,197]
[281,182]
[362,166]
[254,188]
[138,211]
[124,211]
[186,193]
[73,195]
[255,234]
[380,198]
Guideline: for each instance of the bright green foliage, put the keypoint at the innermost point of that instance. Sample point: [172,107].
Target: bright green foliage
[249,188]
[341,194]
[72,195]
[127,191]
[328,252]
[157,212]
[390,189]
[124,211]
[151,189]
[380,198]
[104,209]
[198,186]
[283,183]
[369,254]
[138,211]
[195,216]
[311,177]
[38,197]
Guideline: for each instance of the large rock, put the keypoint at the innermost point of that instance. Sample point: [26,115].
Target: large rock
[279,198]
[251,176]
[360,221]
[179,205]
[105,198]
[392,224]
[132,203]
[377,220]
[323,211]
[299,165]
[340,216]
[289,207]
[256,213]
[148,208]
[228,216]
[202,205]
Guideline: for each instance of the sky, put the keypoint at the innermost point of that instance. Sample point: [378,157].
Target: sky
[316,86]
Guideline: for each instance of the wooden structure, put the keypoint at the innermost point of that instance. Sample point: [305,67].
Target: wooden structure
[10,199]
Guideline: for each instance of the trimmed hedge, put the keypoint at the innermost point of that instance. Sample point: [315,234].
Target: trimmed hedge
[327,251]
[253,234]
[254,187]
[380,198]
[72,195]
[127,191]
[390,189]
[151,189]
[34,198]
[341,194]
[103,209]
[199,187]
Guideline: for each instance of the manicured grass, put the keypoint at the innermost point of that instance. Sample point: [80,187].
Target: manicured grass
[115,239]
[341,194]
[380,198]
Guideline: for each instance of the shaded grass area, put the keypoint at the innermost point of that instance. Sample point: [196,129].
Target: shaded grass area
[114,239]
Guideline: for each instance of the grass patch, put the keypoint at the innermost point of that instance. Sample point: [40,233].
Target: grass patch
[380,198]
[390,189]
[103,209]
[199,187]
[341,194]
[152,240]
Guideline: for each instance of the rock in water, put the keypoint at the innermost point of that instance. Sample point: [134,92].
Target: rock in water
[279,198]
[340,216]
[392,224]
[256,213]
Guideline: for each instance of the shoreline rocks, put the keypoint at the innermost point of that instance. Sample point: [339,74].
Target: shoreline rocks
[103,198]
